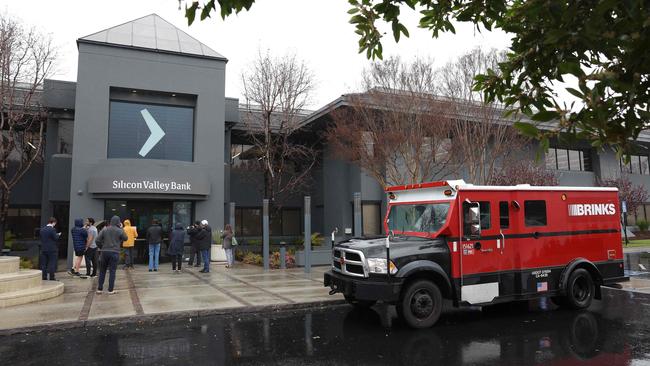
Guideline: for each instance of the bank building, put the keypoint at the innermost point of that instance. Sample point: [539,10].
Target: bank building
[147,132]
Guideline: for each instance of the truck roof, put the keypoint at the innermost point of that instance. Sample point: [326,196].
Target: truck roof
[461,185]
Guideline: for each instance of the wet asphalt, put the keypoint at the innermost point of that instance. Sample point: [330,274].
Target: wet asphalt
[613,331]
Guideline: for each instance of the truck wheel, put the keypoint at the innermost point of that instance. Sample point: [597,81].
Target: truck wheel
[580,289]
[360,304]
[421,304]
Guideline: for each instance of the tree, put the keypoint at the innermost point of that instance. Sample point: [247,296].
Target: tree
[26,59]
[634,195]
[480,134]
[397,131]
[276,91]
[524,172]
[595,49]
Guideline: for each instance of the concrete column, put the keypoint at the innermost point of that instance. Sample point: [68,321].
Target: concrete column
[231,218]
[307,234]
[265,233]
[357,214]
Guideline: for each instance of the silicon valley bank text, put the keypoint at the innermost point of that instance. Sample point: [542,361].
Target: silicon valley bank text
[154,185]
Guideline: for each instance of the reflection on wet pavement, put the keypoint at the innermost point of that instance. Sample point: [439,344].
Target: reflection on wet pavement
[613,331]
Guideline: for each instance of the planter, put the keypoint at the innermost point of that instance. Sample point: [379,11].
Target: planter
[319,257]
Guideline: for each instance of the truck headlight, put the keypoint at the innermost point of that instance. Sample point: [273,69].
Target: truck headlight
[378,265]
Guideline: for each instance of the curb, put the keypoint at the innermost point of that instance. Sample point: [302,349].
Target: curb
[174,315]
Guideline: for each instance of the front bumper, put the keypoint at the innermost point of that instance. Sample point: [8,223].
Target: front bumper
[373,289]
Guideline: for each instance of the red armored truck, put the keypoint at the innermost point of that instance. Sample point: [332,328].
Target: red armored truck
[480,245]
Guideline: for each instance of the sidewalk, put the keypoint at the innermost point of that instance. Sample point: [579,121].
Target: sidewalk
[142,294]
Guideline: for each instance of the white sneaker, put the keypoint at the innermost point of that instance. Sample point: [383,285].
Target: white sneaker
[99,292]
[112,292]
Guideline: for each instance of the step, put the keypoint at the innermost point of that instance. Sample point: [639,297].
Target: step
[9,264]
[46,290]
[22,280]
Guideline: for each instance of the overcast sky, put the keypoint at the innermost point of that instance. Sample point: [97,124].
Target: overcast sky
[317,31]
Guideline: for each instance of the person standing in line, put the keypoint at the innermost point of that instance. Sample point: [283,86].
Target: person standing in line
[204,244]
[176,245]
[154,238]
[91,248]
[131,233]
[227,236]
[49,249]
[79,242]
[109,241]
[192,231]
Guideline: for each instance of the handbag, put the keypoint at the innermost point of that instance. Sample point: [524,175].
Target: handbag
[234,241]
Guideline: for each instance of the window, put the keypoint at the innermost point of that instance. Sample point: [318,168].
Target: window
[371,218]
[65,133]
[420,218]
[638,165]
[535,213]
[240,154]
[504,215]
[485,216]
[565,159]
[286,222]
[23,223]
[128,131]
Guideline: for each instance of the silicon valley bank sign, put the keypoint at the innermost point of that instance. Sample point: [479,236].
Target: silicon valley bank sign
[153,185]
[172,185]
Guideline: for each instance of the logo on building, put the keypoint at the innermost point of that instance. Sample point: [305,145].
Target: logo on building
[157,133]
[592,209]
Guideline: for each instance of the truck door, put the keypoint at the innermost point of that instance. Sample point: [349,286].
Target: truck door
[481,255]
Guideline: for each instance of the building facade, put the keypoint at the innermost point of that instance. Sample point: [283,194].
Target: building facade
[147,133]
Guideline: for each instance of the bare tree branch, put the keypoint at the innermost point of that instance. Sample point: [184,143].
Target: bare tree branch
[276,91]
[26,59]
[397,131]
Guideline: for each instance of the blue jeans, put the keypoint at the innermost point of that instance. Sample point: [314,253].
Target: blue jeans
[229,257]
[107,261]
[154,255]
[206,259]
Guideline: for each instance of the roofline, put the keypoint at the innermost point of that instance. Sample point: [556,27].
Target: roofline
[225,60]
[460,185]
[644,136]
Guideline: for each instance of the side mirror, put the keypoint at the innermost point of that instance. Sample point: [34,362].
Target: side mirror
[474,219]
[334,232]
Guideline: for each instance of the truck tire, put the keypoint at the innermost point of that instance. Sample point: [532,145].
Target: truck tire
[580,289]
[360,304]
[421,304]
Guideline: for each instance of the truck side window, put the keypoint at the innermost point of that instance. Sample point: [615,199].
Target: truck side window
[504,215]
[535,213]
[485,216]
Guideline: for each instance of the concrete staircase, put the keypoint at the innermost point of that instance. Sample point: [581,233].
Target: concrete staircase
[22,286]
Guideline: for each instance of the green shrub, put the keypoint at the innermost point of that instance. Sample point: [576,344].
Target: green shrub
[252,258]
[28,263]
[643,225]
[316,240]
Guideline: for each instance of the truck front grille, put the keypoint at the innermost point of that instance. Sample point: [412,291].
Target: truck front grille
[349,262]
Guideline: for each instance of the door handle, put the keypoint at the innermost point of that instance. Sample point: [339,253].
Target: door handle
[503,240]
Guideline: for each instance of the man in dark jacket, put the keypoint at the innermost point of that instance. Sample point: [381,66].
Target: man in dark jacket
[49,249]
[79,241]
[109,241]
[176,246]
[154,239]
[205,244]
[192,231]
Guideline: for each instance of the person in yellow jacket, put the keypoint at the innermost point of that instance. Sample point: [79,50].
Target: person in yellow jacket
[131,234]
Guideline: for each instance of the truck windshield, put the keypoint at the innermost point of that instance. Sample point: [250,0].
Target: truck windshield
[422,218]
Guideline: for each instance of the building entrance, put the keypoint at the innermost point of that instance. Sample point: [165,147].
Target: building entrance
[142,215]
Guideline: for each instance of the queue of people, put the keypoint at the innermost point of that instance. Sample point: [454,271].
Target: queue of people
[102,250]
